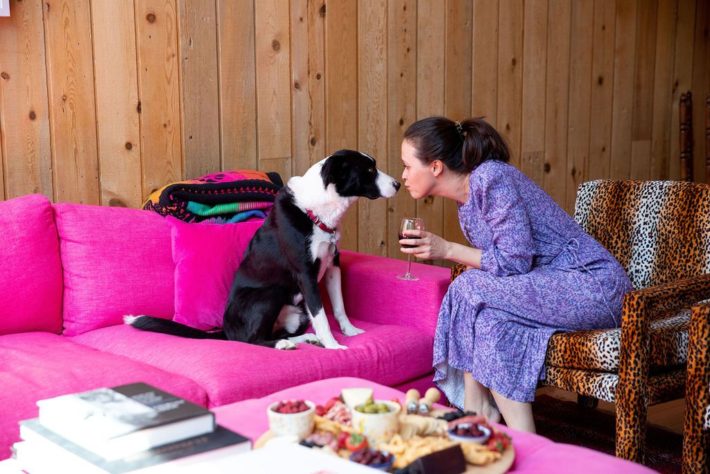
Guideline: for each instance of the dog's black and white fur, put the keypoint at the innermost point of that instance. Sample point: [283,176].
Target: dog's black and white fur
[275,294]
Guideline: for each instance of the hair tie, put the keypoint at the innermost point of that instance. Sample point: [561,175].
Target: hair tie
[459,129]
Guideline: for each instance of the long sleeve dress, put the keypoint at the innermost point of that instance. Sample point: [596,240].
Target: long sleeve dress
[540,273]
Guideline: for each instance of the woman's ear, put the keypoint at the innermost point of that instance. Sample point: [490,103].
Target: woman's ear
[437,167]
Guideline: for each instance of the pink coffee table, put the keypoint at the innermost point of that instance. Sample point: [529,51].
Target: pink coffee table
[533,453]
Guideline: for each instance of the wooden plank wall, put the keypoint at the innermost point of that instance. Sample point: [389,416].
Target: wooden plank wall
[103,102]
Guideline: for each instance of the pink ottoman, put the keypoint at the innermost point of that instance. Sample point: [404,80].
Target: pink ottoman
[533,453]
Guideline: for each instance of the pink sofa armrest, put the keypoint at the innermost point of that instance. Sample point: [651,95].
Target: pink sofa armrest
[372,292]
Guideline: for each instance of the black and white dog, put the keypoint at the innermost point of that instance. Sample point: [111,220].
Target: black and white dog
[275,294]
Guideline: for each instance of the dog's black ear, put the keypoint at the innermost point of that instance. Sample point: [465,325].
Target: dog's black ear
[335,168]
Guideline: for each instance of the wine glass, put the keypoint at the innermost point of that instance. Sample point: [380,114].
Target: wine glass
[409,223]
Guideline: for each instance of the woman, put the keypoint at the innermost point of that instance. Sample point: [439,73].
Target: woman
[532,270]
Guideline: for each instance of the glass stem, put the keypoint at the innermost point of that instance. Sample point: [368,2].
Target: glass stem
[409,264]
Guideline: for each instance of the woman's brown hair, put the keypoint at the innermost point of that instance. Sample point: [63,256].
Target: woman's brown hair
[461,146]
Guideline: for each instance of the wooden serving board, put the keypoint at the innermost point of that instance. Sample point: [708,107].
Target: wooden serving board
[497,467]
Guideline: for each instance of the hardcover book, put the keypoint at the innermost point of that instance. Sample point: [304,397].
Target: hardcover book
[114,422]
[45,451]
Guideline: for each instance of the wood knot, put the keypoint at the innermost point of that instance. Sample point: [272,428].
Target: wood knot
[318,76]
[115,202]
[313,141]
[600,80]
[33,115]
[547,168]
[321,11]
[401,121]
[150,17]
[275,45]
[4,75]
[297,85]
[129,146]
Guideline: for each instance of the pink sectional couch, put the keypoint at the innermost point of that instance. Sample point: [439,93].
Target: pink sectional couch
[69,273]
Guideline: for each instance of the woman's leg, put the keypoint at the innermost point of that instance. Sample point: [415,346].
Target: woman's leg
[478,398]
[517,415]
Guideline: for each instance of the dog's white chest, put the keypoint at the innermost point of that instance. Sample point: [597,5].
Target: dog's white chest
[324,250]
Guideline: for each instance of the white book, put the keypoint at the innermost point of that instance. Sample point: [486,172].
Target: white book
[118,421]
[43,451]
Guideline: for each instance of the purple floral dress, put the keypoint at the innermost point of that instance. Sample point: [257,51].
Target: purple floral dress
[540,274]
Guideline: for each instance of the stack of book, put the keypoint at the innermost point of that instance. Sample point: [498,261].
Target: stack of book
[130,428]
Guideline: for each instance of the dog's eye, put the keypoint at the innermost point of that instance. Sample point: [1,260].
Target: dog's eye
[371,171]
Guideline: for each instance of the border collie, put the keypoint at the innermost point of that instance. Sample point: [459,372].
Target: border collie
[275,293]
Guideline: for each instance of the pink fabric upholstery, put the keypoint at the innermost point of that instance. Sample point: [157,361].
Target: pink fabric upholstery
[378,287]
[533,453]
[116,261]
[206,256]
[42,365]
[31,275]
[231,371]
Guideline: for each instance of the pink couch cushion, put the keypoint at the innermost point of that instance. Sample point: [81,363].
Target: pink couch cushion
[116,261]
[231,371]
[206,257]
[42,365]
[31,275]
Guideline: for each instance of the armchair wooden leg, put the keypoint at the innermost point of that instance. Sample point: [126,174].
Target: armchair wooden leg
[587,402]
[631,414]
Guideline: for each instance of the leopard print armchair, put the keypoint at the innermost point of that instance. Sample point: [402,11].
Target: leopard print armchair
[696,433]
[660,232]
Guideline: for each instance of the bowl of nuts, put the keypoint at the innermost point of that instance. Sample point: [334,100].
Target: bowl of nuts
[377,419]
[291,418]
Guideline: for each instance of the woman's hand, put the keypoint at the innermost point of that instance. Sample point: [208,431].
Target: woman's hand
[427,246]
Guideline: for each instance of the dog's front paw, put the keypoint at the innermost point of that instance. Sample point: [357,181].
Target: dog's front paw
[350,330]
[334,345]
[285,345]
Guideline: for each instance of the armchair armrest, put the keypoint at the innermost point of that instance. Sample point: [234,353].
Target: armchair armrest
[640,307]
[697,397]
[372,292]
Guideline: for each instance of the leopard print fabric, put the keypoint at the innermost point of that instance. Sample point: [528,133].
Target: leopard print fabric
[696,433]
[599,349]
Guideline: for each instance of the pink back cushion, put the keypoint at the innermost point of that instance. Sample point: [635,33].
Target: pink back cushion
[116,261]
[31,275]
[206,258]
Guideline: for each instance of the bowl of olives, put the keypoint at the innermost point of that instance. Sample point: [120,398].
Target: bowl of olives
[470,432]
[377,419]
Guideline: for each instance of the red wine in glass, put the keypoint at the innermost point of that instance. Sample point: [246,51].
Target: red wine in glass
[409,223]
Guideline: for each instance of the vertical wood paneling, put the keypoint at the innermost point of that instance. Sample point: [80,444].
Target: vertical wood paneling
[485,59]
[431,38]
[663,88]
[308,85]
[534,80]
[682,75]
[642,111]
[273,88]
[105,103]
[510,75]
[372,117]
[556,107]
[580,78]
[602,89]
[341,93]
[701,86]
[199,85]
[237,84]
[624,64]
[72,107]
[458,92]
[24,115]
[159,93]
[401,105]
[118,125]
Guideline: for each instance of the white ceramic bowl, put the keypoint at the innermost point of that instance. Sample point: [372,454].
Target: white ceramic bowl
[472,439]
[377,426]
[298,424]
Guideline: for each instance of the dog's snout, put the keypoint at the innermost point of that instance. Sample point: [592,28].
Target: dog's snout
[396,185]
